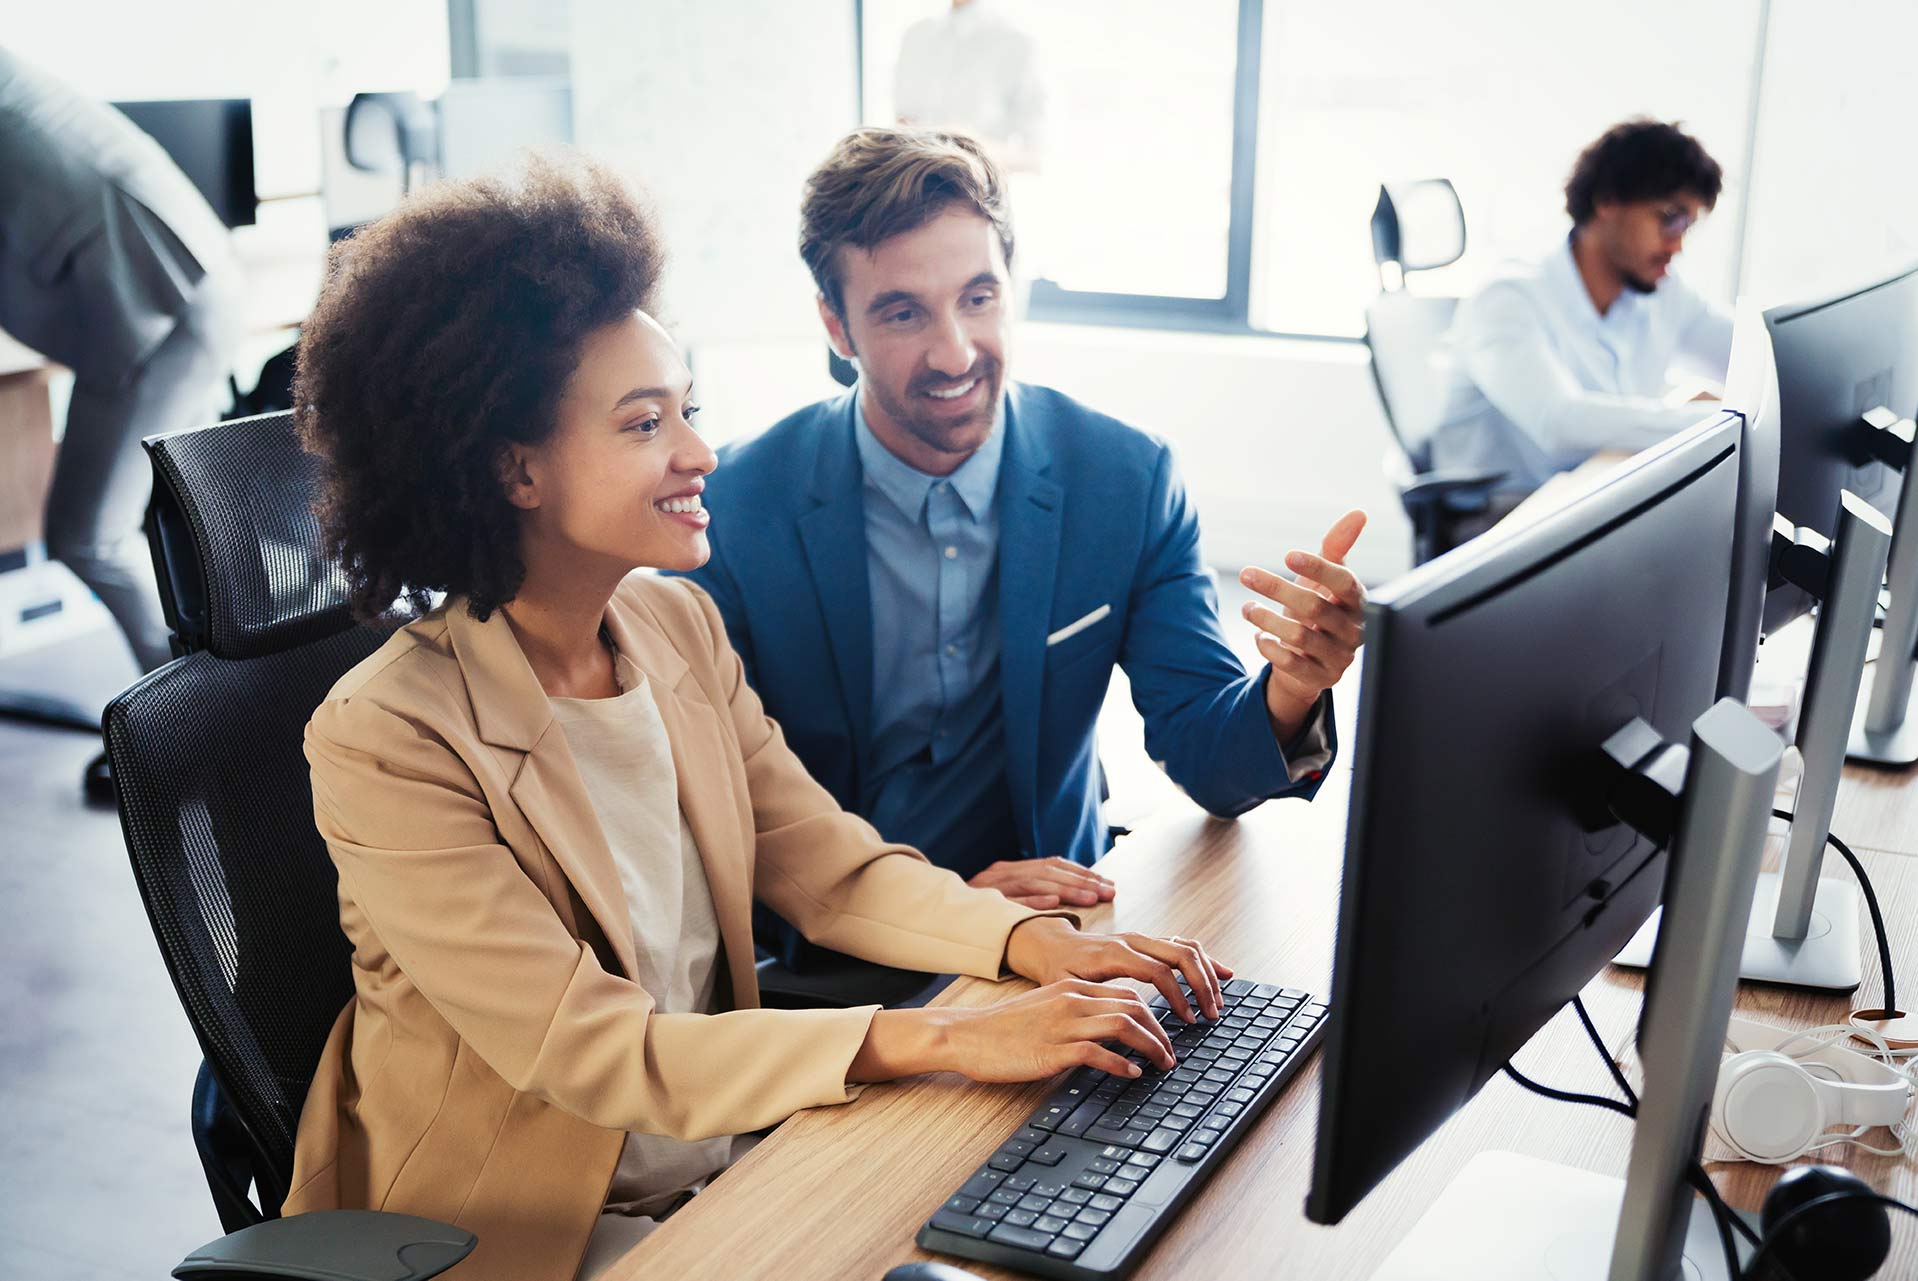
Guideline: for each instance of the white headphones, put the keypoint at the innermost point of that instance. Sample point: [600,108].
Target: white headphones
[1782,1094]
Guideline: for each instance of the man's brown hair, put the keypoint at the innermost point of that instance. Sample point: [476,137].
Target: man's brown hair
[878,183]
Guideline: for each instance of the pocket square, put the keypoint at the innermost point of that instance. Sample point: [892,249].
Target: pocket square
[1079,625]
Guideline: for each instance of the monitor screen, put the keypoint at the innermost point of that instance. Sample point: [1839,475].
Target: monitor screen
[1485,879]
[211,140]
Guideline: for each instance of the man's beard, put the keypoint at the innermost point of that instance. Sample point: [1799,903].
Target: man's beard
[1637,283]
[937,433]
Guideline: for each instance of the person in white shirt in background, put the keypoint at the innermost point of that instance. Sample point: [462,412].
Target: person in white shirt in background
[1578,354]
[973,70]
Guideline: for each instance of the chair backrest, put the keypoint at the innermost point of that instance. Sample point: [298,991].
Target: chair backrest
[1406,336]
[206,752]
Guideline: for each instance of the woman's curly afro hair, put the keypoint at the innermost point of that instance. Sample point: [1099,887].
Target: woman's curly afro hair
[444,331]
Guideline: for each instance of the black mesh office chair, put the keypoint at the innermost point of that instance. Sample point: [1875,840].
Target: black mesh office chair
[218,820]
[1418,226]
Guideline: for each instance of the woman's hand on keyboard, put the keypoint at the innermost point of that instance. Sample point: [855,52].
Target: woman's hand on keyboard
[1049,948]
[1061,1025]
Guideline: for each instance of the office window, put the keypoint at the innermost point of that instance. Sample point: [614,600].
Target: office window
[1498,98]
[1130,199]
[495,38]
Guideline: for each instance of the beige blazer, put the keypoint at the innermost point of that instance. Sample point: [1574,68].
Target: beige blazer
[494,1052]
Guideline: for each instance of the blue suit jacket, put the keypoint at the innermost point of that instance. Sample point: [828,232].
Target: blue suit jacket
[1092,513]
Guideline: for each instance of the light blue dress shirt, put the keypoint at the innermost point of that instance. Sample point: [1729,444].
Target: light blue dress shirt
[937,775]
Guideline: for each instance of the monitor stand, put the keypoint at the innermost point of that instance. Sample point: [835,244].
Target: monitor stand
[1508,1217]
[1827,958]
[1884,731]
[1804,929]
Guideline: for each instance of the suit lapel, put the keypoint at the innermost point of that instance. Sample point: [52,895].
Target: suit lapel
[1031,508]
[833,534]
[512,711]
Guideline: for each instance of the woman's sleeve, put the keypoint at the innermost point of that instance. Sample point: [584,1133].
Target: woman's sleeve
[421,861]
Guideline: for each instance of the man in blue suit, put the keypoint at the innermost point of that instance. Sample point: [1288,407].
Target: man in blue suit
[929,579]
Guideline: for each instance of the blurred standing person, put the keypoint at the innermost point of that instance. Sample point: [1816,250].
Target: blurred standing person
[112,264]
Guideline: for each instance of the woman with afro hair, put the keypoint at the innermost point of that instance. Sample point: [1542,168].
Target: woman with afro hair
[552,798]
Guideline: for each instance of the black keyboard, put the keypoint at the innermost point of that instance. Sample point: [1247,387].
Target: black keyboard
[1092,1178]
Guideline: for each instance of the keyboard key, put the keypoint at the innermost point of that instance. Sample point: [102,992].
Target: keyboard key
[1034,1202]
[1022,1218]
[1004,1196]
[1024,1238]
[993,1210]
[1019,1183]
[1090,1182]
[1093,1218]
[1006,1161]
[1122,1138]
[1080,1231]
[1049,1116]
[962,1204]
[1050,1223]
[1192,1152]
[1265,991]
[1037,1138]
[980,1185]
[1051,1189]
[1102,1165]
[1083,1118]
[1047,1156]
[1065,1248]
[1105,1201]
[1207,1136]
[1228,1110]
[1076,1196]
[1240,1096]
[1292,993]
[1161,1140]
[965,1225]
[1121,1187]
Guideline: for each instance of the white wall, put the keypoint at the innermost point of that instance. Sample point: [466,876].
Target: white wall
[1835,188]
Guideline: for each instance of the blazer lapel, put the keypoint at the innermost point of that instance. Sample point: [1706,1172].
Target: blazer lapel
[703,766]
[833,534]
[512,711]
[1031,508]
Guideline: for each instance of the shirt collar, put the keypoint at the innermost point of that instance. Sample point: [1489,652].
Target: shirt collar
[1571,287]
[976,480]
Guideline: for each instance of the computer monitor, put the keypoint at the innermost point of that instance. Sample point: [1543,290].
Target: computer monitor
[1486,880]
[211,140]
[1803,928]
[1836,358]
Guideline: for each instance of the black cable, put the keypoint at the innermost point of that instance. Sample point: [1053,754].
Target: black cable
[1778,1229]
[1598,1043]
[1722,1216]
[1871,902]
[1567,1096]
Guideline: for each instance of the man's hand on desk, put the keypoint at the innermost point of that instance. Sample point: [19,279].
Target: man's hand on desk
[1045,883]
[1315,639]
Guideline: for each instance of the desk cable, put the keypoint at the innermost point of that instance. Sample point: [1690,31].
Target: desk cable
[1871,903]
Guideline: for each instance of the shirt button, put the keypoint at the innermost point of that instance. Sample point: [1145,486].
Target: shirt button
[952,553]
[951,650]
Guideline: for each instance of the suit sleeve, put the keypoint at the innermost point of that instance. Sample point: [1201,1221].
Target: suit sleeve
[834,877]
[1205,719]
[423,870]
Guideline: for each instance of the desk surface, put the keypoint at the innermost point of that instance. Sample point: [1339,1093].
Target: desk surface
[837,1193]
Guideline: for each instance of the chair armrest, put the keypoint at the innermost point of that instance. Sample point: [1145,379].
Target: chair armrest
[1455,490]
[841,983]
[331,1245]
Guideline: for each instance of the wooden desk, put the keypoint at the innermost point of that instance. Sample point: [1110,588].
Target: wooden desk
[837,1193]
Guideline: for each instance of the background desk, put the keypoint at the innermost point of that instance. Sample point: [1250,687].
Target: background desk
[837,1193]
